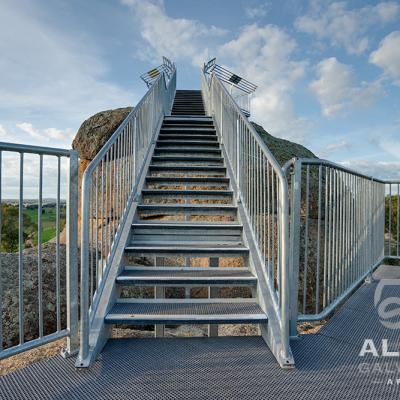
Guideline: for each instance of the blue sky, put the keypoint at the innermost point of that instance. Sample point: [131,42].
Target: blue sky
[328,73]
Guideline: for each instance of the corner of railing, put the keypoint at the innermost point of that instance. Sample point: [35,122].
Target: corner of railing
[72,278]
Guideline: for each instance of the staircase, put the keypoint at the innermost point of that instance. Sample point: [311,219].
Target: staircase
[186,224]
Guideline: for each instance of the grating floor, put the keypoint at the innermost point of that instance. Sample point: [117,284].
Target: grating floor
[327,366]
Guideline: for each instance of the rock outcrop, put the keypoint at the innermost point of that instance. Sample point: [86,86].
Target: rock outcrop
[96,130]
[282,149]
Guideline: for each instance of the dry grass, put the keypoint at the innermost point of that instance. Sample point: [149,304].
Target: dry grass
[29,357]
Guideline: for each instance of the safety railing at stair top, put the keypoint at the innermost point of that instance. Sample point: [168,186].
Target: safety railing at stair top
[338,233]
[108,187]
[262,189]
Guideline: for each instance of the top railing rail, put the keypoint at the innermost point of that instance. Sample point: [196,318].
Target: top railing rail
[108,188]
[261,186]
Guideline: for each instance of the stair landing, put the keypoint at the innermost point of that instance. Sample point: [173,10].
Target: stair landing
[327,365]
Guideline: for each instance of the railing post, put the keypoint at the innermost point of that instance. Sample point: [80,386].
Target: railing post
[294,246]
[72,256]
[84,331]
[237,159]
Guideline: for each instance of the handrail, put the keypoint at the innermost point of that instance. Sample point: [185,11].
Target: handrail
[261,188]
[344,215]
[108,188]
[44,335]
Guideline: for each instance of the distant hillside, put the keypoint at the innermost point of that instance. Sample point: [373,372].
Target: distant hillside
[282,149]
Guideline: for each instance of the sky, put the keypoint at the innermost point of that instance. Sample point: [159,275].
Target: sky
[328,72]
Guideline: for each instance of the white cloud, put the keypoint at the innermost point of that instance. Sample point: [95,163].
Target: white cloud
[175,38]
[51,136]
[257,11]
[275,71]
[3,132]
[30,130]
[337,90]
[343,144]
[389,144]
[346,28]
[377,169]
[45,70]
[387,56]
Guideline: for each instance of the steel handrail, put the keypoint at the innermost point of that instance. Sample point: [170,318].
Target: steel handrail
[282,302]
[351,232]
[117,168]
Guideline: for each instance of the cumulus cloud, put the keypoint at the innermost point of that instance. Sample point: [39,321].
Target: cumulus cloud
[42,68]
[257,11]
[176,38]
[345,28]
[49,136]
[378,169]
[387,56]
[337,90]
[275,70]
[3,132]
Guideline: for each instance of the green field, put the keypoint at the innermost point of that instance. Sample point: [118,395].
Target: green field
[48,223]
[10,225]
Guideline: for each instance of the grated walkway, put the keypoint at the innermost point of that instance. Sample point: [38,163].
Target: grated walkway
[327,365]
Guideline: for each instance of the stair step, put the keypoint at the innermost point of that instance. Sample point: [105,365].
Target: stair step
[186,232]
[186,276]
[221,311]
[188,119]
[192,209]
[187,126]
[195,168]
[187,159]
[188,138]
[183,113]
[188,249]
[188,181]
[193,194]
[185,143]
[187,150]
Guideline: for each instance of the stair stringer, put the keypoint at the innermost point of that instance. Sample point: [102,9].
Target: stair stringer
[266,296]
[108,291]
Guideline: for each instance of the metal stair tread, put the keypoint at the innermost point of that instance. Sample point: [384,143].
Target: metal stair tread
[167,192]
[184,158]
[186,275]
[195,245]
[189,206]
[181,311]
[188,224]
[187,167]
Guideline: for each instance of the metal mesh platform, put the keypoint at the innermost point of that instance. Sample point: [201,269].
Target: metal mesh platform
[327,367]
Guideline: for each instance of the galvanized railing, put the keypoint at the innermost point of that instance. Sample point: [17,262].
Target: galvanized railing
[337,234]
[392,220]
[108,187]
[55,311]
[262,189]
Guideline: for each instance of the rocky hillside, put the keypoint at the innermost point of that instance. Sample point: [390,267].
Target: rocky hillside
[283,149]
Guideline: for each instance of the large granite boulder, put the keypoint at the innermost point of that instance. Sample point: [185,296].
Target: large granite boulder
[96,130]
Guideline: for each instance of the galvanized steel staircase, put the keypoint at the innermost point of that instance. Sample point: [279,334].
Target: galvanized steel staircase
[186,216]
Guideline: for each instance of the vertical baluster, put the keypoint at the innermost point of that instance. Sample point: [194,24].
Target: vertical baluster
[40,273]
[97,264]
[20,250]
[318,239]
[398,220]
[305,272]
[1,266]
[324,298]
